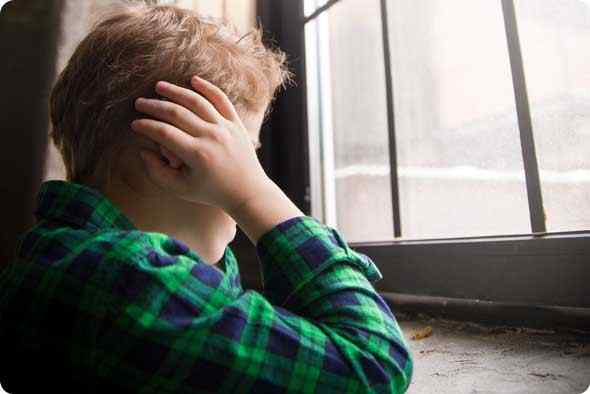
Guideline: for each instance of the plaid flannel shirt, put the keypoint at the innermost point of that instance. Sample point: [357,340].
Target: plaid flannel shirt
[91,303]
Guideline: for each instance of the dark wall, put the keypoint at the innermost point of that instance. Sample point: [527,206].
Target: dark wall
[28,35]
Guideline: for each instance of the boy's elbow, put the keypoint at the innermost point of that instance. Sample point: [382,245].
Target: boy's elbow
[402,382]
[404,366]
[389,372]
[387,376]
[399,366]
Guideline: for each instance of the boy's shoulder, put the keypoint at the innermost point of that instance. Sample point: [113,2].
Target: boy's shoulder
[53,244]
[56,262]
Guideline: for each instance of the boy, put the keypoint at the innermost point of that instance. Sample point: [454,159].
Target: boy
[116,287]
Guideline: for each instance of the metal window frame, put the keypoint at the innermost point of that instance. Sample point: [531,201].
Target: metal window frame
[532,271]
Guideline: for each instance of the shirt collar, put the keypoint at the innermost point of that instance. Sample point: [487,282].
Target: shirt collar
[78,205]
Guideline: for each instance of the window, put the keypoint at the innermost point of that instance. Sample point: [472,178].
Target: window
[419,122]
[555,40]
[448,141]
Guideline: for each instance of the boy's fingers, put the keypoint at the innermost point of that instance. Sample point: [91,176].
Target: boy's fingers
[163,176]
[190,100]
[175,140]
[174,114]
[216,96]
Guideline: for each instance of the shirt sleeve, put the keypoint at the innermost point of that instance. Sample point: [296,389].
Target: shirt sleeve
[318,326]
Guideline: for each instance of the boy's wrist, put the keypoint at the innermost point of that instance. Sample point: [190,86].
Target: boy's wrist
[266,207]
[260,186]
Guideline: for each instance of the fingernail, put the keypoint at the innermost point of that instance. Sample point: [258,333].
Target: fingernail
[134,125]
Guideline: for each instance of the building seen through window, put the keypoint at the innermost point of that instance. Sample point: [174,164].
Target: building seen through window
[458,150]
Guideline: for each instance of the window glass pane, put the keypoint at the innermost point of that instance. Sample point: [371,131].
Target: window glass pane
[353,118]
[555,40]
[459,155]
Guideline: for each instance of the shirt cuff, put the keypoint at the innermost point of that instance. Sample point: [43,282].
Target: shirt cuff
[295,251]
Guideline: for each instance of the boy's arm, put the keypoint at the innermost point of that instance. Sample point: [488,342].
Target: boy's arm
[152,317]
[318,326]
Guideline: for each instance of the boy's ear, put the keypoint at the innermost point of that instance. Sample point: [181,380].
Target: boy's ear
[170,158]
[164,177]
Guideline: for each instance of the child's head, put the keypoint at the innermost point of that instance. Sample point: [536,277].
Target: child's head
[122,58]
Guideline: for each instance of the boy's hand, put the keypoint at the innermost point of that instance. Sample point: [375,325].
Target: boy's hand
[204,131]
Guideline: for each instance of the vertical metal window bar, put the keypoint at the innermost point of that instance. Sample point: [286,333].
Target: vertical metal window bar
[321,131]
[531,168]
[395,205]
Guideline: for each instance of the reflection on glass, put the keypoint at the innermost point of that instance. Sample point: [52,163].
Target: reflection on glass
[555,40]
[459,156]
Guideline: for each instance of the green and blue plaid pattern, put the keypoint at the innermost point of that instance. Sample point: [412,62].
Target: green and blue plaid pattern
[92,301]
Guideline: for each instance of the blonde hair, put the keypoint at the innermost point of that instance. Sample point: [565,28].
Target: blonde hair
[127,52]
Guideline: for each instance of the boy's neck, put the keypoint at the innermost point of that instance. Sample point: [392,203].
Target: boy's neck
[205,229]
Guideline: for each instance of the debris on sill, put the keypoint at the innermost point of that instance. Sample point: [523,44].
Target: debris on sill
[422,333]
